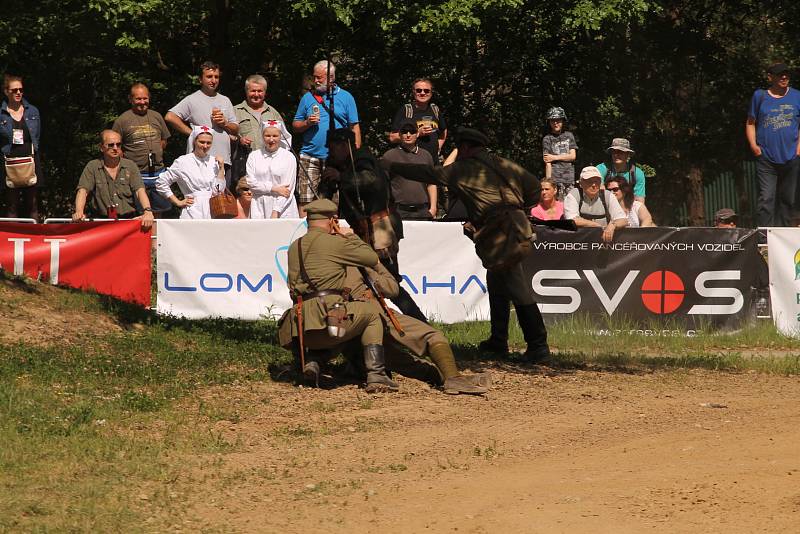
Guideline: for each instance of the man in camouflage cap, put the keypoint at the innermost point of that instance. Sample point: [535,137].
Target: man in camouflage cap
[491,188]
[323,317]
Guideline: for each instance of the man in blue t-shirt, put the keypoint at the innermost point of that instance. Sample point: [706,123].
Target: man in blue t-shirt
[772,132]
[313,121]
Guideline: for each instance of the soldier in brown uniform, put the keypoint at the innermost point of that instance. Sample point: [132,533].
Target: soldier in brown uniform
[323,317]
[493,189]
[404,333]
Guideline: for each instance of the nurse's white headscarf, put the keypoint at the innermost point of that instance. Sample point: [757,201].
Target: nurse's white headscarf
[197,130]
[286,137]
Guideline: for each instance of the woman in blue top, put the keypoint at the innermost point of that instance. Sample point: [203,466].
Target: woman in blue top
[20,131]
[622,166]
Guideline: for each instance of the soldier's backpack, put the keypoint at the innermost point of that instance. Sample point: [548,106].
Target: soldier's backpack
[505,235]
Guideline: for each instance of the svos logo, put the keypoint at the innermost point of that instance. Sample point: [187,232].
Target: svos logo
[662,292]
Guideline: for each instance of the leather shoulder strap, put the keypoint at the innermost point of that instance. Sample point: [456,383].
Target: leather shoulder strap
[303,273]
[487,161]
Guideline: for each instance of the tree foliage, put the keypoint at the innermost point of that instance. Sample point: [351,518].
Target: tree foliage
[675,76]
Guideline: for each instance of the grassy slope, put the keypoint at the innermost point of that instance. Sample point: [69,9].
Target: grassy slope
[77,419]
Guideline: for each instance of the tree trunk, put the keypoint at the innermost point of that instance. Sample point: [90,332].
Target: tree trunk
[696,200]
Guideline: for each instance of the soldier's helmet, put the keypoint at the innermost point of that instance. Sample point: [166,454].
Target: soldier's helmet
[556,113]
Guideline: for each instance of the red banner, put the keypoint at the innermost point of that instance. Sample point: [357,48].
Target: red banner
[112,258]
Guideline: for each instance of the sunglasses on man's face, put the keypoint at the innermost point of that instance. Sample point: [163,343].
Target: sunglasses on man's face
[113,145]
[407,131]
[15,90]
[423,91]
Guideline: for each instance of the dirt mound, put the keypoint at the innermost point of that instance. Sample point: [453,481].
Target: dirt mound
[39,314]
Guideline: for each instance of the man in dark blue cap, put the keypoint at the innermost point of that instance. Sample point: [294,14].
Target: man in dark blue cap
[497,194]
[772,127]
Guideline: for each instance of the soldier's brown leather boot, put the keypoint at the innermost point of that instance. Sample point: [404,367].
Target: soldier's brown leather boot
[455,382]
[377,379]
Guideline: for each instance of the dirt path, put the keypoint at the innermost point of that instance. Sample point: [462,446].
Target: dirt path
[582,451]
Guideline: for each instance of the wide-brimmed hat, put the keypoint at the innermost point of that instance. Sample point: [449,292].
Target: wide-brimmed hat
[341,135]
[621,144]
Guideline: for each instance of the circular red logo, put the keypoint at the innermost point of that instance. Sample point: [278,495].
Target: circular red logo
[662,292]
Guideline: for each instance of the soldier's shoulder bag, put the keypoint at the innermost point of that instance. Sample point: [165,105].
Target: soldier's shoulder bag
[505,235]
[504,239]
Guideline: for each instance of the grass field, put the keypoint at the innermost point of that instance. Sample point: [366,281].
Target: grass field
[86,425]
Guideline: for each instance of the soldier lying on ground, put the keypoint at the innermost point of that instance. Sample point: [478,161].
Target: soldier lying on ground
[407,339]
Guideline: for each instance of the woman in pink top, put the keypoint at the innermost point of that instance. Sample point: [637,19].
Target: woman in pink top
[548,208]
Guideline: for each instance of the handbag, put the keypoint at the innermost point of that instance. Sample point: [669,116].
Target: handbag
[20,171]
[223,205]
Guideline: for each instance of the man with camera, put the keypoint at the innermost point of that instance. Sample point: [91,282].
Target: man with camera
[144,137]
[323,316]
[312,120]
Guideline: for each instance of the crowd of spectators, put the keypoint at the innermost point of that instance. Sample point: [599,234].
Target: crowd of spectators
[247,149]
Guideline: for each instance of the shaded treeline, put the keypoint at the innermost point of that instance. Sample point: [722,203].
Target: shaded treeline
[674,76]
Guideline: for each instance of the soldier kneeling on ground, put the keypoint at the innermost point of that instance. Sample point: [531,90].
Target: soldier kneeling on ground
[323,317]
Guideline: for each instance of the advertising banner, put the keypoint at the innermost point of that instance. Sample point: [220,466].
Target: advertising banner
[112,258]
[649,278]
[238,268]
[784,276]
[693,278]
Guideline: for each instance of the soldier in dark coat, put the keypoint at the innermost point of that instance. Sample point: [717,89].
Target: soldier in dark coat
[491,187]
[365,202]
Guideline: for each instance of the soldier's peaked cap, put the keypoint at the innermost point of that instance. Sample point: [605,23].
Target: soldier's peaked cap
[321,209]
[471,135]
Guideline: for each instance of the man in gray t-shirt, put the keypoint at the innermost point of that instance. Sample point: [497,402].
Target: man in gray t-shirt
[206,107]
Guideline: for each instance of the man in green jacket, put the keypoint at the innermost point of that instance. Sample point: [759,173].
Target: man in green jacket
[323,317]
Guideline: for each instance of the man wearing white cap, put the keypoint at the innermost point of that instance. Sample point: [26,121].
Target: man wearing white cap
[591,207]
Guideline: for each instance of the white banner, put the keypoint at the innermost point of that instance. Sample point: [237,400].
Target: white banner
[784,278]
[237,268]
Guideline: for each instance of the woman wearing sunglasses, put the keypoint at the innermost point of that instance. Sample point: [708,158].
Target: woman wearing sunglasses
[637,213]
[20,130]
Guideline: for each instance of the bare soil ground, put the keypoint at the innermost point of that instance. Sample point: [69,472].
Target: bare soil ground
[546,451]
[39,314]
